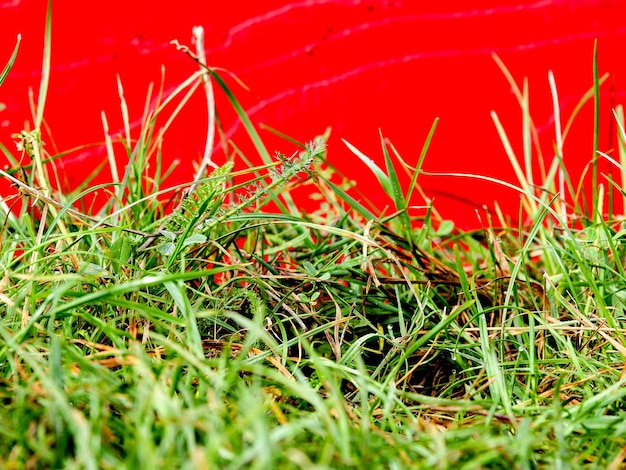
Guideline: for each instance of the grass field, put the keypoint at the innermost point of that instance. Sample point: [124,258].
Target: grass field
[225,329]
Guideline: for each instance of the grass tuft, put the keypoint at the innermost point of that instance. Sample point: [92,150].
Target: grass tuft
[215,334]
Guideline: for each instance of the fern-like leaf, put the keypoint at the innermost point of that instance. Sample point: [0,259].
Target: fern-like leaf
[204,202]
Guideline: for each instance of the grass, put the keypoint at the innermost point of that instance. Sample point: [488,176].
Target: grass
[230,335]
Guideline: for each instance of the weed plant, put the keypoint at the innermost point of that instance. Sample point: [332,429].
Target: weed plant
[221,334]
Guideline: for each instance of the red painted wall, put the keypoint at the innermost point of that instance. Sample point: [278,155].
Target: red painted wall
[355,65]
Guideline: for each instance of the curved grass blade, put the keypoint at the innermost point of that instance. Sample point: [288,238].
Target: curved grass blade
[396,191]
[11,61]
[382,178]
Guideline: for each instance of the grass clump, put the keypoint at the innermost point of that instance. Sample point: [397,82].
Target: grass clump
[227,336]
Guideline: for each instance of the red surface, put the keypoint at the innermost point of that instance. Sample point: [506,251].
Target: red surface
[356,66]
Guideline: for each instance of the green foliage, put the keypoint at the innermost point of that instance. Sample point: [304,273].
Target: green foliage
[11,61]
[202,204]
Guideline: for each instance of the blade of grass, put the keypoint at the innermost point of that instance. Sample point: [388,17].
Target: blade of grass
[621,137]
[526,138]
[396,192]
[559,143]
[596,131]
[45,69]
[382,178]
[420,161]
[352,203]
[11,61]
[527,201]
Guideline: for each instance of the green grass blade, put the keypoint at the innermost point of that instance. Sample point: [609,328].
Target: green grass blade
[245,120]
[420,161]
[396,192]
[11,61]
[45,69]
[352,203]
[596,133]
[382,178]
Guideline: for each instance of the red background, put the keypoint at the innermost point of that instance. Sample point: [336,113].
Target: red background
[354,65]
